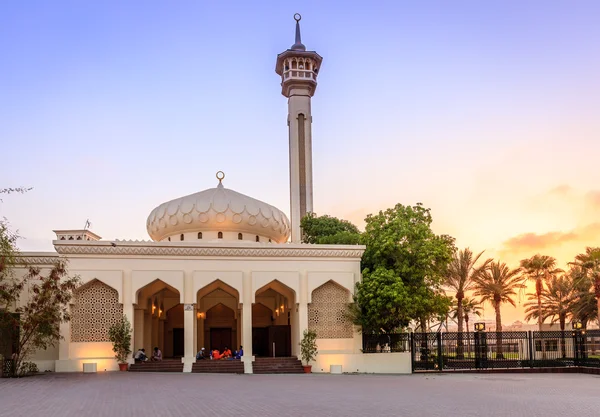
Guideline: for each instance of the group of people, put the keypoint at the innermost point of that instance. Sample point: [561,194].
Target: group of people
[140,355]
[216,355]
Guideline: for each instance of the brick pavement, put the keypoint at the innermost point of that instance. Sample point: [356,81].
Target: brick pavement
[163,395]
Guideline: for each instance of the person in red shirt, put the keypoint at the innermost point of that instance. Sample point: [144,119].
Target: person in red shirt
[226,353]
[216,355]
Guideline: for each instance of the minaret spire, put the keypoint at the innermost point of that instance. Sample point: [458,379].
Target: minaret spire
[299,69]
[297,46]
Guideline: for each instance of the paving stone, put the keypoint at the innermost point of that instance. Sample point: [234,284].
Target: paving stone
[114,394]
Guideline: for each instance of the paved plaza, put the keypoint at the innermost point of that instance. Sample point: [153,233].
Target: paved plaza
[161,395]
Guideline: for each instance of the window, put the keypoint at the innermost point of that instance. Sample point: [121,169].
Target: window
[257,239]
[181,237]
[240,237]
[269,240]
[220,235]
[169,238]
[199,235]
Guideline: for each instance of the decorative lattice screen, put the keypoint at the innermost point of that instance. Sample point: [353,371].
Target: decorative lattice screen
[95,310]
[326,313]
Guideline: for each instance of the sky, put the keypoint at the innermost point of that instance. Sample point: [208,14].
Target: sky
[486,112]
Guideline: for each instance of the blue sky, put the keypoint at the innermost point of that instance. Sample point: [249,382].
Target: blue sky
[480,110]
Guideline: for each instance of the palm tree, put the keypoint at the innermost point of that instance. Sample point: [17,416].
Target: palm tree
[497,284]
[459,278]
[585,306]
[589,262]
[557,304]
[539,269]
[470,306]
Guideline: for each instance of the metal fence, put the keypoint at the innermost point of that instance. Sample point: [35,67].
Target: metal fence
[491,350]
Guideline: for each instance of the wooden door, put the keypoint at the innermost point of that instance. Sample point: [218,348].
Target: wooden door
[220,339]
[260,341]
[280,338]
[178,349]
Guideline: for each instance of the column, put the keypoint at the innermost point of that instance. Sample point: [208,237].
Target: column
[138,329]
[189,356]
[128,308]
[155,337]
[189,321]
[247,323]
[302,308]
[63,364]
[147,332]
[161,335]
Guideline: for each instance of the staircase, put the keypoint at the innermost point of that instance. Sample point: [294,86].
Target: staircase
[166,365]
[206,366]
[286,365]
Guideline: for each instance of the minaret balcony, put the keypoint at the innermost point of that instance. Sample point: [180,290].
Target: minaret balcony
[298,74]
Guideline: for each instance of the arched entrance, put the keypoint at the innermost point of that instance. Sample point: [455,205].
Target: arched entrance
[273,316]
[158,320]
[218,317]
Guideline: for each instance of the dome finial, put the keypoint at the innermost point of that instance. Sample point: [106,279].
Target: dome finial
[297,46]
[220,176]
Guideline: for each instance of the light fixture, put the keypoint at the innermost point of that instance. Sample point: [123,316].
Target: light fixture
[577,325]
[282,308]
[480,326]
[200,315]
[153,308]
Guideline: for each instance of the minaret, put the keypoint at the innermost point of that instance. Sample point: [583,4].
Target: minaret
[298,69]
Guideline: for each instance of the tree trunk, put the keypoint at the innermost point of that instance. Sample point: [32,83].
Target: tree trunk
[499,354]
[538,290]
[459,319]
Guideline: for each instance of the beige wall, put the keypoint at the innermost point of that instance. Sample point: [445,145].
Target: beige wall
[272,276]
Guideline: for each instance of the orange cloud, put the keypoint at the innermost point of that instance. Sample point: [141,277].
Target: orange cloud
[593,199]
[561,190]
[531,242]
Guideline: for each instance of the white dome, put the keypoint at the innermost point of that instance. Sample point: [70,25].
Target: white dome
[218,210]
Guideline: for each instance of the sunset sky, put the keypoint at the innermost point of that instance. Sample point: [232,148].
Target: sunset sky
[487,112]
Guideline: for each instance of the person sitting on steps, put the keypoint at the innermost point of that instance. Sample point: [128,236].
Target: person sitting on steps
[157,355]
[140,355]
[201,354]
[240,353]
[226,353]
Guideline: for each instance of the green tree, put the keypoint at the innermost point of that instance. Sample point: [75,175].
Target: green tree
[589,263]
[33,325]
[328,230]
[497,284]
[404,266]
[557,304]
[120,336]
[459,278]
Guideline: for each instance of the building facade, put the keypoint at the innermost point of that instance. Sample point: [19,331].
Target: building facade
[220,271]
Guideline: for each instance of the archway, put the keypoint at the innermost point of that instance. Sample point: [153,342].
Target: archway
[158,319]
[273,316]
[218,323]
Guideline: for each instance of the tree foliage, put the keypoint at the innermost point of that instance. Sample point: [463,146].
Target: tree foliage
[308,346]
[460,278]
[35,324]
[404,265]
[120,336]
[328,230]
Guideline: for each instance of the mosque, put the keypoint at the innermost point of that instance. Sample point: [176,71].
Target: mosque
[221,269]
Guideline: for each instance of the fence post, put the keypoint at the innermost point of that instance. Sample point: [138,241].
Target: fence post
[530,348]
[439,352]
[412,351]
